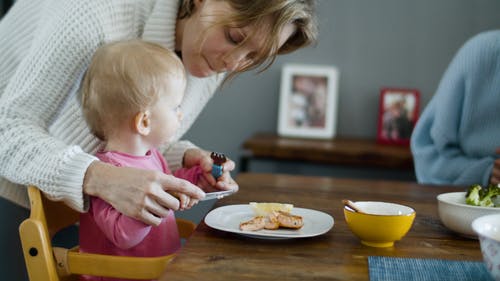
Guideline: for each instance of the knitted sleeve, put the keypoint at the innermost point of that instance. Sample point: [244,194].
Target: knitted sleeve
[446,145]
[199,91]
[63,45]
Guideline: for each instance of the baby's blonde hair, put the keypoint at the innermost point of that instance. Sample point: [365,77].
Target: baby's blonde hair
[123,79]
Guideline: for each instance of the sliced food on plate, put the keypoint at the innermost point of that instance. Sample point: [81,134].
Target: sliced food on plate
[272,216]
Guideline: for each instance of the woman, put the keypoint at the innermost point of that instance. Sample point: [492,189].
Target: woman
[45,47]
[455,140]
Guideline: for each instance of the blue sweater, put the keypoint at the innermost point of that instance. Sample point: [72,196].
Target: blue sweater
[455,138]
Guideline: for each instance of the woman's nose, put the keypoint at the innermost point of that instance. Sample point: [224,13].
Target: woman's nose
[235,59]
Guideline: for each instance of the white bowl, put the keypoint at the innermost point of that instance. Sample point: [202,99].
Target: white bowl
[458,216]
[488,230]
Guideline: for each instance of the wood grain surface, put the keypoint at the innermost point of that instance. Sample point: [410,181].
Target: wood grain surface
[337,255]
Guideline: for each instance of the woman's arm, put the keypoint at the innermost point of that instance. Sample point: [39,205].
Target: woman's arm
[33,97]
[137,193]
[440,160]
[185,154]
[455,139]
[198,92]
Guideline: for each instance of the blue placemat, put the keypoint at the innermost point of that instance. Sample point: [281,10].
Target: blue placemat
[406,269]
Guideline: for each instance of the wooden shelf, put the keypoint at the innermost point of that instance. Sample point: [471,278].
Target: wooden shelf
[339,151]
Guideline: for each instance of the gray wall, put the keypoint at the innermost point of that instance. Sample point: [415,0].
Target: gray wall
[399,43]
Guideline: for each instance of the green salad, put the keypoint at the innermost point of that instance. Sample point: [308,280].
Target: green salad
[483,196]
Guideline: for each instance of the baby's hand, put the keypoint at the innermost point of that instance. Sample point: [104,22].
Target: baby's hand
[197,157]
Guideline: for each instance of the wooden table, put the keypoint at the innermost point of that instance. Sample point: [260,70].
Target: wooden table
[339,151]
[337,255]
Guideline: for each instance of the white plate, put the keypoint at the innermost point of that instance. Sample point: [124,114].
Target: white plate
[228,218]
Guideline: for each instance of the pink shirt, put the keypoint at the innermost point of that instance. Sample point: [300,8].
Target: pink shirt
[104,230]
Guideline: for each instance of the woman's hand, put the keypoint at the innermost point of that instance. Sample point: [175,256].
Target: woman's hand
[185,202]
[207,182]
[141,194]
[495,172]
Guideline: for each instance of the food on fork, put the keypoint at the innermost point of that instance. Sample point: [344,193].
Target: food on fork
[272,216]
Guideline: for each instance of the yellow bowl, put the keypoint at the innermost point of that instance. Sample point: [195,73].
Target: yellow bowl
[382,225]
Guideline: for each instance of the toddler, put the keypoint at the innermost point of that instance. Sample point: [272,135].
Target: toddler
[131,95]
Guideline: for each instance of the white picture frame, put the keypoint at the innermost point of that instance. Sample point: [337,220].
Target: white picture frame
[308,101]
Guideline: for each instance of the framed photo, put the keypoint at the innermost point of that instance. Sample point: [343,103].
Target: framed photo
[308,101]
[398,115]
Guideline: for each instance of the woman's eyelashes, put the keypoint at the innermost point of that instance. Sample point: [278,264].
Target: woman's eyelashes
[234,36]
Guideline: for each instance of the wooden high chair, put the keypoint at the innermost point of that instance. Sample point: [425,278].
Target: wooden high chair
[47,263]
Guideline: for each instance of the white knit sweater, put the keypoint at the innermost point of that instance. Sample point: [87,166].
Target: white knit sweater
[45,46]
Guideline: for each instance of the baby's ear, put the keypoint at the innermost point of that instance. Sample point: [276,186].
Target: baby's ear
[142,122]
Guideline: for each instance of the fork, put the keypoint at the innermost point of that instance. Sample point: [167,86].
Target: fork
[219,159]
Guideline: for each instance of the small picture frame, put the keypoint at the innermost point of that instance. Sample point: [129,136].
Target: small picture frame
[308,101]
[398,114]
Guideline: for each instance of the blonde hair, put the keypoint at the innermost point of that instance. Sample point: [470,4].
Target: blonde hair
[257,12]
[125,78]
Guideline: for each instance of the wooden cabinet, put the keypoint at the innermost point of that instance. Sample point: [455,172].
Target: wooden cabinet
[338,151]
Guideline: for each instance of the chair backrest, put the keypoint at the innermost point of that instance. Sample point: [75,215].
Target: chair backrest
[47,263]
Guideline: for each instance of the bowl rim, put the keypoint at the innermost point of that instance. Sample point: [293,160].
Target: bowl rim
[475,225]
[439,197]
[411,213]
